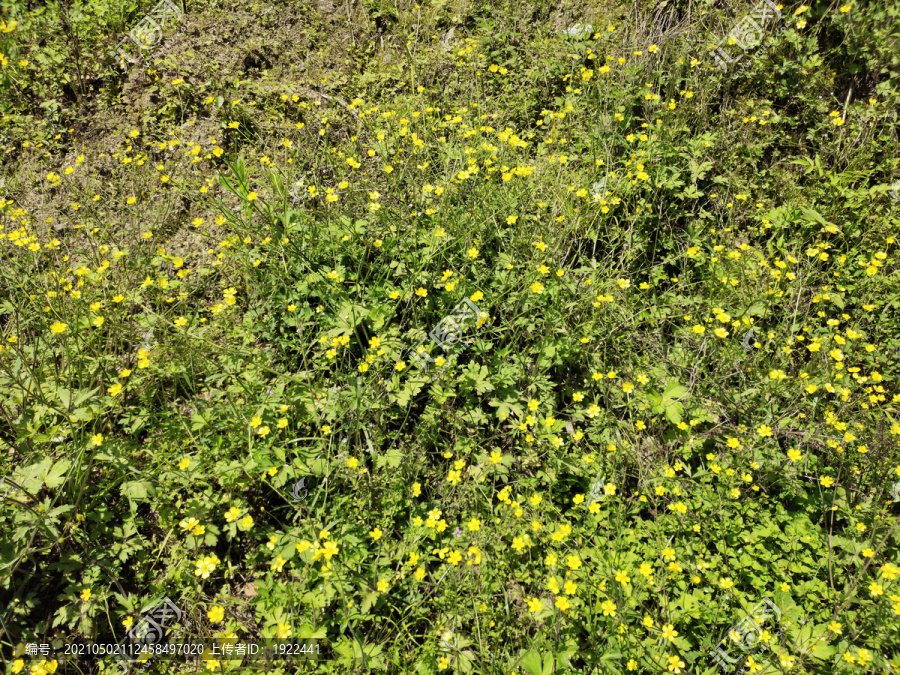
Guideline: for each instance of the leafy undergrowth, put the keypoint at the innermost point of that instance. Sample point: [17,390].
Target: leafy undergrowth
[515,351]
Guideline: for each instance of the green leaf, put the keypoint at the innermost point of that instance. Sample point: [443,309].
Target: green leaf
[137,490]
[198,422]
[31,478]
[674,390]
[410,390]
[54,477]
[531,663]
[306,631]
[367,602]
[673,412]
[815,217]
[756,309]
[392,459]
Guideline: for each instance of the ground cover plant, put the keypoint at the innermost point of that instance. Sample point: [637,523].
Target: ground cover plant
[463,338]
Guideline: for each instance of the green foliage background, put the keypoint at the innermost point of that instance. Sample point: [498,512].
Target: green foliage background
[215,265]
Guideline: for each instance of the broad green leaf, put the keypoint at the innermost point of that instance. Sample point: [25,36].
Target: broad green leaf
[55,477]
[531,663]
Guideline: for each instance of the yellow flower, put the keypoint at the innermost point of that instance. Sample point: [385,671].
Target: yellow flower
[284,631]
[184,463]
[375,534]
[826,481]
[86,594]
[794,455]
[252,196]
[97,440]
[472,252]
[58,327]
[352,462]
[721,332]
[189,523]
[726,583]
[216,614]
